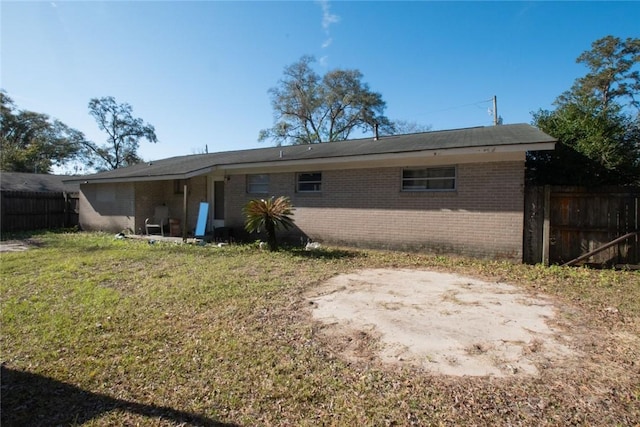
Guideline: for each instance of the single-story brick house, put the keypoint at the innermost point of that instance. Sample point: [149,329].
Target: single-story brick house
[456,191]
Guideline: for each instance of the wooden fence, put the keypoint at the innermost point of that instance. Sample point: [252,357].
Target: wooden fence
[26,210]
[562,223]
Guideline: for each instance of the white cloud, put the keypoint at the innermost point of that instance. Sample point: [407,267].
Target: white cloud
[328,18]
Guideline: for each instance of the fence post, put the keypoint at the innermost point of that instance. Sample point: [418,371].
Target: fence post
[637,226]
[3,212]
[546,227]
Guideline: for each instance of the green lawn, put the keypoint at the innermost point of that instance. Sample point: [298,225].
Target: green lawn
[100,331]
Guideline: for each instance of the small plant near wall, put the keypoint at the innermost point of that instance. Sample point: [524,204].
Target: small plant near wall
[270,215]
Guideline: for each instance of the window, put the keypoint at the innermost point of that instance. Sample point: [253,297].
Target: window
[429,179]
[309,182]
[178,186]
[106,193]
[258,183]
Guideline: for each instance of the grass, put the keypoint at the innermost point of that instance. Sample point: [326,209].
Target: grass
[98,331]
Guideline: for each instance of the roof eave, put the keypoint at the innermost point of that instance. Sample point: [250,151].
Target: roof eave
[141,178]
[320,161]
[368,158]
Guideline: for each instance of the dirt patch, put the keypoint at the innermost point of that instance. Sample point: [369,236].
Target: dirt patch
[444,323]
[18,245]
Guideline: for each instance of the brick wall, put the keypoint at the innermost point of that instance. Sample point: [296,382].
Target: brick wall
[366,207]
[107,207]
[125,206]
[150,194]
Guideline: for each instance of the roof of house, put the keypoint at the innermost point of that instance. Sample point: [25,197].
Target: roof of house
[522,136]
[19,181]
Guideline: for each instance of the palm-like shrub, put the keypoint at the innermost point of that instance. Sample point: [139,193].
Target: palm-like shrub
[270,215]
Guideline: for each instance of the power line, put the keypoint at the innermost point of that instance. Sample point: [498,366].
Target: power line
[459,106]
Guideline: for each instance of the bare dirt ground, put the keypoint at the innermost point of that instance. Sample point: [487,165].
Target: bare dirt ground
[16,245]
[444,323]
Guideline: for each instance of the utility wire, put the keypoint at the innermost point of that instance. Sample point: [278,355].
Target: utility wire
[459,106]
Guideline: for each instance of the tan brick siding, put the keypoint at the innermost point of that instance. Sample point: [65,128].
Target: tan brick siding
[107,207]
[150,194]
[125,206]
[360,207]
[366,207]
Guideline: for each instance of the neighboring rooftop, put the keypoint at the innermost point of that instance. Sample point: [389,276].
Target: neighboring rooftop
[19,181]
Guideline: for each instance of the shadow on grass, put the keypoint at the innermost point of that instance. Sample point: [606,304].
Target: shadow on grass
[29,234]
[322,253]
[33,400]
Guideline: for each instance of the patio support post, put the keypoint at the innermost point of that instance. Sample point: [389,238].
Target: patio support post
[184,213]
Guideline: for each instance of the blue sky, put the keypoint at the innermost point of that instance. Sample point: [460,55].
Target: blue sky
[200,71]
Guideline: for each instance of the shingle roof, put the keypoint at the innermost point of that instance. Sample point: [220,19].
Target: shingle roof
[515,134]
[19,181]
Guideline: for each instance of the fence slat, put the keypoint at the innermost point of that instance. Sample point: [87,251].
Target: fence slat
[26,210]
[583,220]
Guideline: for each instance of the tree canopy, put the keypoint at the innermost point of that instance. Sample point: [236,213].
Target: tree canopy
[311,109]
[400,127]
[33,142]
[596,122]
[612,76]
[124,133]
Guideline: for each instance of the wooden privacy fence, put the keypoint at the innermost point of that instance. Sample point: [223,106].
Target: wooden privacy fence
[563,223]
[26,210]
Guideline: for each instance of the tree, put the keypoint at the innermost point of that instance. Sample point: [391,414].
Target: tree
[401,127]
[598,138]
[309,109]
[611,75]
[270,215]
[33,142]
[124,133]
[595,147]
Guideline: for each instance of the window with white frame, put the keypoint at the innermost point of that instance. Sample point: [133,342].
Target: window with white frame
[442,178]
[309,182]
[258,183]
